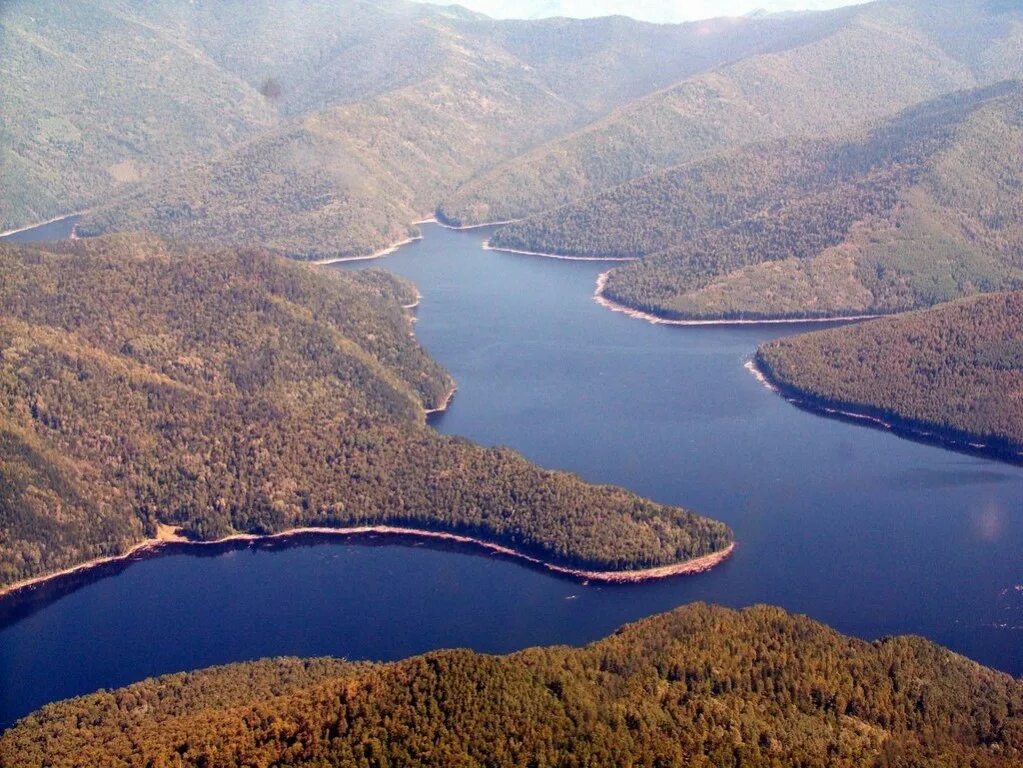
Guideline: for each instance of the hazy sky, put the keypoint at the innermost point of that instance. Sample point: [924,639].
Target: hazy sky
[648,10]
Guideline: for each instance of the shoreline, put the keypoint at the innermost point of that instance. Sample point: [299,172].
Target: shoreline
[908,429]
[614,306]
[375,255]
[445,403]
[38,224]
[488,247]
[414,304]
[464,227]
[153,546]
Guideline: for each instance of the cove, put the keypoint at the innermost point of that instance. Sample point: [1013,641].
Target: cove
[856,527]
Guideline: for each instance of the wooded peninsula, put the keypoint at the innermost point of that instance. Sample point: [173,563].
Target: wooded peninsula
[225,391]
[952,374]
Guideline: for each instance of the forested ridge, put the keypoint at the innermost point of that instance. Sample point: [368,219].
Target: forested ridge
[324,129]
[863,160]
[222,391]
[865,63]
[917,210]
[954,372]
[319,127]
[699,686]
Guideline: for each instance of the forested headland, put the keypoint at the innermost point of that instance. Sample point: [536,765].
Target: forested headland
[223,391]
[700,686]
[951,374]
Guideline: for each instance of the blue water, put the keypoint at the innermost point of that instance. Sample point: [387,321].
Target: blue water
[863,530]
[59,229]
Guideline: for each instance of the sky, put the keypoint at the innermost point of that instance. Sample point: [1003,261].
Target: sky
[647,10]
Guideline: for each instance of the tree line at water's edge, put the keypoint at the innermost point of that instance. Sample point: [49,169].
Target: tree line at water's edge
[919,209]
[954,371]
[225,391]
[699,686]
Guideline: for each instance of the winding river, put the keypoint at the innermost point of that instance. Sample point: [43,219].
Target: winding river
[868,532]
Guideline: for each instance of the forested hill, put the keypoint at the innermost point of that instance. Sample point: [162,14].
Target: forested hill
[920,209]
[320,127]
[952,373]
[325,128]
[883,57]
[222,391]
[700,686]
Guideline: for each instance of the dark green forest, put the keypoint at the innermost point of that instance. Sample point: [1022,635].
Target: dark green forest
[223,391]
[172,368]
[700,686]
[955,371]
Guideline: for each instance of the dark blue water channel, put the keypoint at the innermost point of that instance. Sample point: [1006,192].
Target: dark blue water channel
[868,532]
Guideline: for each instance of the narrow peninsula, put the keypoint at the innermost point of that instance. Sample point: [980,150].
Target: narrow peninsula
[223,392]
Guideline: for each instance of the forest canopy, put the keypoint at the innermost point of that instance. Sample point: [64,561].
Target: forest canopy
[954,371]
[916,210]
[223,391]
[700,686]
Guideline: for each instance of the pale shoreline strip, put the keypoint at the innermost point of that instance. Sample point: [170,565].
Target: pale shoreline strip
[614,306]
[765,380]
[153,546]
[753,368]
[444,403]
[464,227]
[488,247]
[55,219]
[375,255]
[907,430]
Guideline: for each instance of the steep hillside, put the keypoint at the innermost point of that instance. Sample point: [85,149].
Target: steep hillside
[94,98]
[219,391]
[350,179]
[920,209]
[953,373]
[881,58]
[320,53]
[181,107]
[700,686]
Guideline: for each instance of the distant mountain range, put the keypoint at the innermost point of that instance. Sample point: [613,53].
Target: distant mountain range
[325,129]
[154,116]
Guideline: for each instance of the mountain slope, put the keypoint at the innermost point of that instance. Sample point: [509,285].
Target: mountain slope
[145,383]
[699,686]
[881,58]
[373,111]
[917,210]
[953,373]
[93,99]
[349,180]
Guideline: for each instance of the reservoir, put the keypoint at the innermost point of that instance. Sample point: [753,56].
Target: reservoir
[867,532]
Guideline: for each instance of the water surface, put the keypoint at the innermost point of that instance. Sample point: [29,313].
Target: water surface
[58,229]
[868,532]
